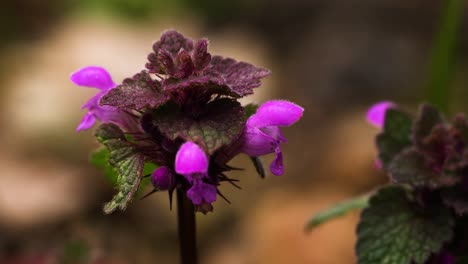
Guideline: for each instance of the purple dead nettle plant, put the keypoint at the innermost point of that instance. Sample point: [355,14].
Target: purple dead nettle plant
[182,113]
[421,216]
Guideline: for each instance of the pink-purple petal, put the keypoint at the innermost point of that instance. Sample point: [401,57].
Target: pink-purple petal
[376,113]
[277,167]
[276,113]
[201,192]
[257,143]
[191,159]
[87,122]
[93,76]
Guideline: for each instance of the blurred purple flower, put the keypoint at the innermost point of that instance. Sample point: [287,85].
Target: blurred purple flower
[447,258]
[376,117]
[192,162]
[376,113]
[99,78]
[262,134]
[163,178]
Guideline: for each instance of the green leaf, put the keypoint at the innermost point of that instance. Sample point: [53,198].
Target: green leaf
[394,230]
[442,65]
[250,109]
[396,135]
[147,169]
[100,159]
[127,160]
[220,123]
[337,210]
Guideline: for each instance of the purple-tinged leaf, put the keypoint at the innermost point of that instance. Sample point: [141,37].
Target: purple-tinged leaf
[170,41]
[136,93]
[427,119]
[411,167]
[185,65]
[166,61]
[201,57]
[202,84]
[220,124]
[460,124]
[240,77]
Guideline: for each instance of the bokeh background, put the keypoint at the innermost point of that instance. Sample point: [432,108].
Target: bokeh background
[335,58]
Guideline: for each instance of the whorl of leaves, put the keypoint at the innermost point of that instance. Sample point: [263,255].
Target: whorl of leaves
[185,64]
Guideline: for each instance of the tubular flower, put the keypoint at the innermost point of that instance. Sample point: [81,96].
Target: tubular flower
[192,162]
[262,134]
[99,78]
[376,113]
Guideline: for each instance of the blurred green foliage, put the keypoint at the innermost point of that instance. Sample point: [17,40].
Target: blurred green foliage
[75,252]
[135,10]
[443,61]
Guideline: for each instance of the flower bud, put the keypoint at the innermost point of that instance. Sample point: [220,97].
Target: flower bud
[163,178]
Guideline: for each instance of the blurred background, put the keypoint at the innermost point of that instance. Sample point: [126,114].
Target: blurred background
[335,58]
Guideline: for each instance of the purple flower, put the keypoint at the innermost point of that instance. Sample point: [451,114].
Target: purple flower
[163,178]
[262,134]
[376,113]
[192,162]
[376,117]
[97,77]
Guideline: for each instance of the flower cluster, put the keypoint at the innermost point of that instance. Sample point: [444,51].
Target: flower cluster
[426,157]
[181,113]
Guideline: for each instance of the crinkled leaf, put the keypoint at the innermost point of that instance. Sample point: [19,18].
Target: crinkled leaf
[428,118]
[136,93]
[100,159]
[201,56]
[396,135]
[393,230]
[337,210]
[187,67]
[126,159]
[225,76]
[172,42]
[410,167]
[221,123]
[240,77]
[201,84]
